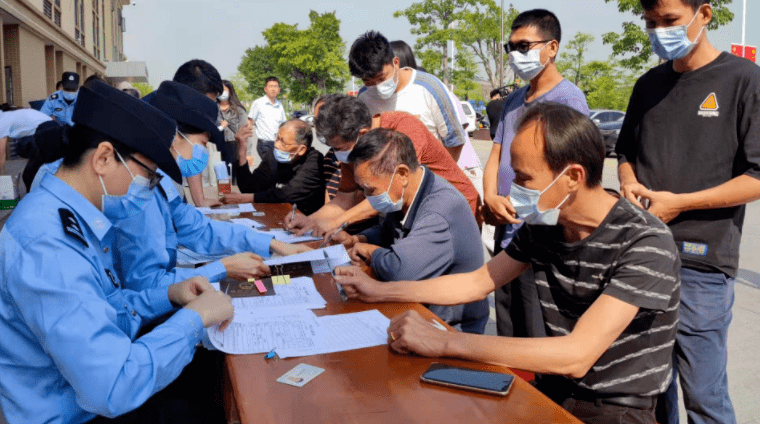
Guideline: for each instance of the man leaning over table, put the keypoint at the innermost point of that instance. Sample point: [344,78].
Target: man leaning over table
[606,271]
[428,229]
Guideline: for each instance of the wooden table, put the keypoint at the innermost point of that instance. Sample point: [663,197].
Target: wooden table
[373,385]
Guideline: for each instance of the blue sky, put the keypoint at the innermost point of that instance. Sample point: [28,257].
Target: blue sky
[166,33]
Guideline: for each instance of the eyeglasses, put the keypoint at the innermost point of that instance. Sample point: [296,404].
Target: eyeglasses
[155,177]
[522,47]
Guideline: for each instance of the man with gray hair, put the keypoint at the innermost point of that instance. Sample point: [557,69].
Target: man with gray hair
[296,176]
[428,230]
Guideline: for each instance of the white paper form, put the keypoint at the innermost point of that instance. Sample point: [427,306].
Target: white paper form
[346,332]
[229,209]
[246,222]
[300,294]
[287,237]
[263,331]
[336,256]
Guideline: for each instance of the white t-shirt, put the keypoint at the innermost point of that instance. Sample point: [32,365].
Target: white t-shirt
[21,123]
[427,98]
[267,117]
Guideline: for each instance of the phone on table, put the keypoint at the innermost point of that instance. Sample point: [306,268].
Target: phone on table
[469,379]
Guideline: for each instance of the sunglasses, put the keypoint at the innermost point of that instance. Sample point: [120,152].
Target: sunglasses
[155,177]
[522,46]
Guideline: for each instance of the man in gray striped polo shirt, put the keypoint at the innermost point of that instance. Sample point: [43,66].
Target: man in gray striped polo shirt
[606,272]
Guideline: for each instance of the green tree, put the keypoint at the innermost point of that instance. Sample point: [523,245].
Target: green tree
[241,88]
[633,42]
[310,61]
[480,30]
[435,22]
[257,64]
[571,60]
[143,88]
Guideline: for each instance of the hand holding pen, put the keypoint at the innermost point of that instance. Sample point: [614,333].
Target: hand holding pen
[329,238]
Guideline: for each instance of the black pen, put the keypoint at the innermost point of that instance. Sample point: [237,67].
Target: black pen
[343,295]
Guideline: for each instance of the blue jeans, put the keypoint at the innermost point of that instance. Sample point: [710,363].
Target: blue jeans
[701,351]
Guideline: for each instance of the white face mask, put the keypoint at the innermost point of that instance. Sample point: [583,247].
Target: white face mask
[387,88]
[527,66]
[224,96]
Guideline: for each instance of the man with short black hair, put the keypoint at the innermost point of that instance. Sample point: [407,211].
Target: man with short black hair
[298,176]
[606,272]
[388,87]
[60,105]
[267,114]
[201,76]
[493,110]
[428,229]
[689,149]
[533,48]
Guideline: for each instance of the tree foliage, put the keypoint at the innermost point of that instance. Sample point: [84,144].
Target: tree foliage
[143,88]
[241,88]
[480,30]
[435,22]
[307,62]
[571,60]
[633,43]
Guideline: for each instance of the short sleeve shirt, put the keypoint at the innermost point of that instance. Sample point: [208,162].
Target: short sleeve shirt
[268,117]
[514,106]
[631,256]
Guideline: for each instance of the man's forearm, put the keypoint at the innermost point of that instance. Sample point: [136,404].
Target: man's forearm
[445,290]
[491,173]
[627,173]
[738,191]
[358,213]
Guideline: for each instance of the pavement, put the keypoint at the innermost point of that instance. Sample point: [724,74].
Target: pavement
[744,334]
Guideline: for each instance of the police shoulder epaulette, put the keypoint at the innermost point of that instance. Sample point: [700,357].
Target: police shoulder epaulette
[71,226]
[54,96]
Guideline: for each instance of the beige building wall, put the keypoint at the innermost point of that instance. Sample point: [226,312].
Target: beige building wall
[34,75]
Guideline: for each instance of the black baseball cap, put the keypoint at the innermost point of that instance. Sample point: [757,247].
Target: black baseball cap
[129,121]
[189,107]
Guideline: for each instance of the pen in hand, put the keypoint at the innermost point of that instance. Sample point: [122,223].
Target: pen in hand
[343,295]
[329,239]
[293,215]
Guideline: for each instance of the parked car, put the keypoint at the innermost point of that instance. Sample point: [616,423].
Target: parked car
[610,132]
[299,113]
[601,116]
[472,120]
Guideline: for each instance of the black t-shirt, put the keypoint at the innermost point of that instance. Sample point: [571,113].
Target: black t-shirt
[691,132]
[631,256]
[493,110]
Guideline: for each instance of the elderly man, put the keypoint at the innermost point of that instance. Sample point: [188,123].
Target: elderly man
[341,121]
[296,178]
[428,229]
[606,271]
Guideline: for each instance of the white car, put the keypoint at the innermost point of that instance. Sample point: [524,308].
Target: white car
[472,120]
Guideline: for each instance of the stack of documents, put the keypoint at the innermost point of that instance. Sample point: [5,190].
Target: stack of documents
[230,209]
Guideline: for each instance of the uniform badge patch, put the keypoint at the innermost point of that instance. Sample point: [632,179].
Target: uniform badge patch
[58,109]
[71,226]
[709,108]
[698,249]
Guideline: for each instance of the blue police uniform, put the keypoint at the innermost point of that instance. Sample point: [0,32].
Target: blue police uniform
[68,327]
[56,106]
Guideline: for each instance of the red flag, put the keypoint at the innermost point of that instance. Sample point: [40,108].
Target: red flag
[750,52]
[737,49]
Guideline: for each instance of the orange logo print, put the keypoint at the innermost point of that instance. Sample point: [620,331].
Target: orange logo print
[709,108]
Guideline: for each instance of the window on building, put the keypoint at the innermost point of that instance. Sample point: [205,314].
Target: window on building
[96,28]
[52,10]
[79,21]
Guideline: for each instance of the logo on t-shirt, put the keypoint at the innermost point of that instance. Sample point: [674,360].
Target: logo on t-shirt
[709,108]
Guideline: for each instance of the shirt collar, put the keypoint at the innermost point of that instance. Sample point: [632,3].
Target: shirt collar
[91,216]
[275,104]
[414,206]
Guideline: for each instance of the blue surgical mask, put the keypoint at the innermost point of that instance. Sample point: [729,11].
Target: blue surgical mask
[196,164]
[68,95]
[281,156]
[385,89]
[342,155]
[383,203]
[525,201]
[673,43]
[527,66]
[135,201]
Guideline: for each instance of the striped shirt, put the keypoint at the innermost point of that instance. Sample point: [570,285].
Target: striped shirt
[331,170]
[427,98]
[632,257]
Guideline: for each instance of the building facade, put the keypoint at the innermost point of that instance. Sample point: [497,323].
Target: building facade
[42,39]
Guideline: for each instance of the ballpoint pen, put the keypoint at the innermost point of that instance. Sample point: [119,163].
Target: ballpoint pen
[329,239]
[293,215]
[343,295]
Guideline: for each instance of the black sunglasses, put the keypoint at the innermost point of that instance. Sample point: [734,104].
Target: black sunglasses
[155,177]
[523,46]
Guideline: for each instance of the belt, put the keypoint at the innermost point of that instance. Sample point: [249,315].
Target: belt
[629,401]
[559,389]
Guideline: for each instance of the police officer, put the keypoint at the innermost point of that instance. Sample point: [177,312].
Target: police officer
[60,105]
[68,327]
